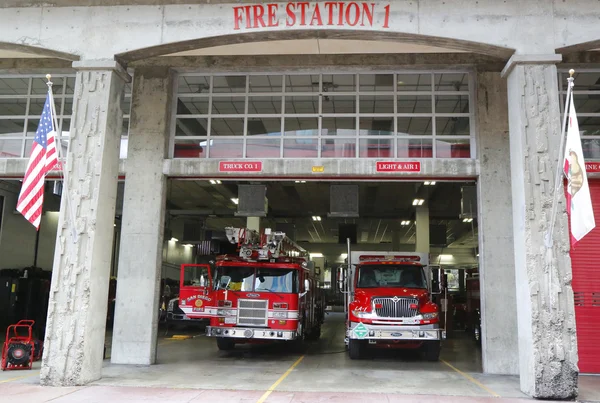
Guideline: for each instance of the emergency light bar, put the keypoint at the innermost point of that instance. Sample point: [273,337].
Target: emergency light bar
[388,258]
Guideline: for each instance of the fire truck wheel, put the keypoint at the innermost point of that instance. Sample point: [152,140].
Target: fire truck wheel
[356,349]
[431,350]
[225,344]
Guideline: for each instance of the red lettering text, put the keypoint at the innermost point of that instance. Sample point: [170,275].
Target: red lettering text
[316,16]
[352,6]
[237,17]
[366,12]
[272,9]
[291,16]
[303,6]
[329,7]
[259,11]
[386,21]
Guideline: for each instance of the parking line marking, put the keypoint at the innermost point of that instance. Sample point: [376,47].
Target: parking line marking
[17,378]
[263,398]
[473,380]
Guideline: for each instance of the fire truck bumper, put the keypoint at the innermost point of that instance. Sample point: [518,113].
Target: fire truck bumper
[251,333]
[363,331]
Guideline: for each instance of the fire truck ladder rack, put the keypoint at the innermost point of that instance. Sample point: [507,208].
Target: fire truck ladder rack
[269,245]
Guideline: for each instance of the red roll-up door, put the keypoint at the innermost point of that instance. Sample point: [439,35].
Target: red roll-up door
[585,260]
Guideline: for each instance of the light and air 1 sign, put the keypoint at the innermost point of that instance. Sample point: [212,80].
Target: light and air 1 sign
[300,14]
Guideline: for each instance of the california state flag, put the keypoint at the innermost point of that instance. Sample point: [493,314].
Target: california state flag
[579,202]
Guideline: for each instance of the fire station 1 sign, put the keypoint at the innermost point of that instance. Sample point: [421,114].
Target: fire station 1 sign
[592,167]
[297,14]
[383,166]
[241,166]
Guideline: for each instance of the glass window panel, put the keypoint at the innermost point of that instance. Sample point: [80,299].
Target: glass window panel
[591,148]
[193,85]
[10,148]
[125,128]
[264,105]
[32,125]
[28,146]
[302,83]
[451,82]
[229,84]
[65,126]
[191,127]
[376,82]
[70,85]
[14,86]
[301,147]
[185,148]
[301,105]
[226,127]
[452,126]
[127,88]
[338,148]
[415,148]
[339,104]
[36,105]
[263,148]
[126,105]
[414,82]
[338,127]
[583,81]
[584,103]
[376,126]
[264,127]
[226,148]
[11,127]
[265,83]
[12,107]
[199,105]
[414,104]
[228,105]
[301,126]
[376,104]
[68,108]
[339,83]
[376,148]
[589,126]
[451,104]
[414,126]
[450,148]
[39,85]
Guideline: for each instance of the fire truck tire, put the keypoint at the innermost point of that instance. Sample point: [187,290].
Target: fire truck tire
[356,349]
[431,350]
[225,344]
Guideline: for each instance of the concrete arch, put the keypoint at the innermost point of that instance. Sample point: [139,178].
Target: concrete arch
[579,47]
[264,36]
[37,51]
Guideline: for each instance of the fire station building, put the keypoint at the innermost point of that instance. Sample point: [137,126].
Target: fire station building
[442,114]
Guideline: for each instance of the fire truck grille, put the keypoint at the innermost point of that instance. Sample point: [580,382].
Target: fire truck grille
[252,312]
[395,307]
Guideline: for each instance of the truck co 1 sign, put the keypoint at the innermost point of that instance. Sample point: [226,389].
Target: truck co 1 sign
[383,166]
[242,166]
[305,14]
[592,166]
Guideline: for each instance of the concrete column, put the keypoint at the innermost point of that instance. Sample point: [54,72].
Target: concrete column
[422,223]
[253,223]
[496,269]
[74,343]
[546,315]
[138,282]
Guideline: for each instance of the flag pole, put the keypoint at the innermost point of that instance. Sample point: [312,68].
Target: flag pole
[559,166]
[62,170]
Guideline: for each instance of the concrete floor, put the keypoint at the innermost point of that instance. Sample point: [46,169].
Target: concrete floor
[193,370]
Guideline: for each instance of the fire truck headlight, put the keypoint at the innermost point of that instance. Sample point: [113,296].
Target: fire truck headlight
[225,312]
[360,314]
[280,315]
[429,316]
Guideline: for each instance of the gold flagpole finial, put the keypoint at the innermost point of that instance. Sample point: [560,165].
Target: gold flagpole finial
[571,72]
[48,77]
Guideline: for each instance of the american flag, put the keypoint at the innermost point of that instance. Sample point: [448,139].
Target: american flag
[43,158]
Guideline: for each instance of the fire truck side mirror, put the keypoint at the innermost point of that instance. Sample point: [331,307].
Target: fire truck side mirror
[224,282]
[437,281]
[306,288]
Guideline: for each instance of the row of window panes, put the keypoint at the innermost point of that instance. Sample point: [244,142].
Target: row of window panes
[330,83]
[334,104]
[323,148]
[586,97]
[329,126]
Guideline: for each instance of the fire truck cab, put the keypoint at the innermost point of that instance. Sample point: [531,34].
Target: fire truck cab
[267,292]
[389,303]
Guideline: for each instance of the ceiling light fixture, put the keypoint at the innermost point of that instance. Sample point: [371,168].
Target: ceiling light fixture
[429,183]
[215,181]
[418,202]
[316,218]
[467,220]
[316,254]
[174,239]
[406,222]
[235,200]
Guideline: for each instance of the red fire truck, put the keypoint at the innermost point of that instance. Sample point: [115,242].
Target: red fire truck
[389,303]
[267,292]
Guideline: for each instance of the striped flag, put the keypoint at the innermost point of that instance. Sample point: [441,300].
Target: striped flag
[43,158]
[579,202]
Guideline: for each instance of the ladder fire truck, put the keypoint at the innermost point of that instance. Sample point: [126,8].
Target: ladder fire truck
[267,292]
[388,303]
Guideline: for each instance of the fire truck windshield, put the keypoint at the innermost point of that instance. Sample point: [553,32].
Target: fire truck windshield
[371,276]
[260,279]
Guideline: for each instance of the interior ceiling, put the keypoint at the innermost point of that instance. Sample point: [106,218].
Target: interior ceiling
[382,208]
